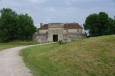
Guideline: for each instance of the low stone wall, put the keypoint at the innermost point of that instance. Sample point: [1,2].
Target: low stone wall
[73,36]
[42,38]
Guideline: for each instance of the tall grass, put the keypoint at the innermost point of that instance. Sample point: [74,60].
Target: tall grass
[88,57]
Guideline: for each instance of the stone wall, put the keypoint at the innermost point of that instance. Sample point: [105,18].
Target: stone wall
[55,29]
[43,31]
[42,38]
[66,35]
[77,31]
[72,36]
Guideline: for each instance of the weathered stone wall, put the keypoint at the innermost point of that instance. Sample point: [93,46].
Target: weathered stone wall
[55,29]
[78,31]
[43,31]
[58,29]
[72,36]
[42,38]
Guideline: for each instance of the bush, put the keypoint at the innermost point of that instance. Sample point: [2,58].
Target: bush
[61,42]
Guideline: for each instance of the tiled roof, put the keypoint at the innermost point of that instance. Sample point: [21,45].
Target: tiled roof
[66,26]
[72,26]
[44,27]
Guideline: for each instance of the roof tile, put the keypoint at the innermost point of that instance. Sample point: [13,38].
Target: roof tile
[66,26]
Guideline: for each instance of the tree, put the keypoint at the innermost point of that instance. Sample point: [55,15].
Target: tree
[113,29]
[111,26]
[25,27]
[99,24]
[0,21]
[7,25]
[14,26]
[89,24]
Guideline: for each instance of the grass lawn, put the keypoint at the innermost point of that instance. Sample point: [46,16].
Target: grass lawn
[14,44]
[88,57]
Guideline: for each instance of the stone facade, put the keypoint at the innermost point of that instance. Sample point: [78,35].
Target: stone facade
[53,32]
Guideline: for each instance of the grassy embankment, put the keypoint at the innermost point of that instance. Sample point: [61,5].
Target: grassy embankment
[88,57]
[15,43]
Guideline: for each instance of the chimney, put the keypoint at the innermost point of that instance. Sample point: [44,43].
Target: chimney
[41,24]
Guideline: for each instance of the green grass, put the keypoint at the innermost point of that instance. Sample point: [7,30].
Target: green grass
[15,43]
[88,57]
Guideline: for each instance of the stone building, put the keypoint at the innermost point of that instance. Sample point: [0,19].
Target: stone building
[53,32]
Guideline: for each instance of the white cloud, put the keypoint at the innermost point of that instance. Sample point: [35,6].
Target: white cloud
[37,1]
[70,2]
[56,13]
[51,9]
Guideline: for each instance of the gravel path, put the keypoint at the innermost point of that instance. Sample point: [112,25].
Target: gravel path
[11,64]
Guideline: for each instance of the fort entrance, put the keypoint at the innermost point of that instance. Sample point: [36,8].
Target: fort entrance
[55,38]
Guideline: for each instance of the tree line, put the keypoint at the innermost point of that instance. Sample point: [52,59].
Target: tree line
[100,24]
[15,26]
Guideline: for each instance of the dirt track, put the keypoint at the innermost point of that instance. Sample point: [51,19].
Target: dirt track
[11,64]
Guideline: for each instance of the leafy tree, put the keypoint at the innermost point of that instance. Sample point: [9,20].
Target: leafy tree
[99,24]
[14,26]
[113,29]
[25,27]
[7,25]
[111,24]
[0,21]
[89,24]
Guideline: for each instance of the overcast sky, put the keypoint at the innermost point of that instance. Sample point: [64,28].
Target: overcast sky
[48,11]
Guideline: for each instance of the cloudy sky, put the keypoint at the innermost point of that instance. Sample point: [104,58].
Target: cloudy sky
[48,11]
